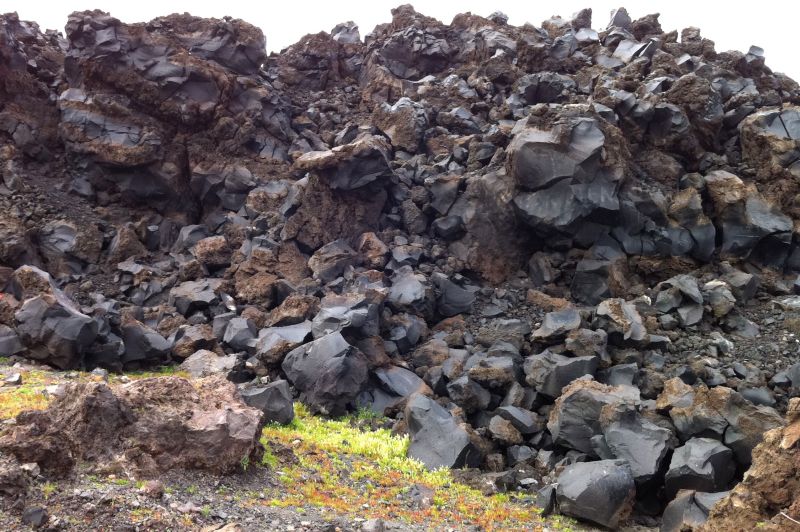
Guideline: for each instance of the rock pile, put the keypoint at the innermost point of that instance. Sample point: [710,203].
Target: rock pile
[544,250]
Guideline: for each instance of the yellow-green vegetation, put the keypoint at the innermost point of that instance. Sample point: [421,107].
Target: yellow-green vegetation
[30,395]
[366,473]
[140,515]
[48,488]
[341,465]
[163,371]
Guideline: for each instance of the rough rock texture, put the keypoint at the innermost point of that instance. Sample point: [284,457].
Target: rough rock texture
[329,372]
[771,485]
[601,492]
[436,438]
[533,246]
[145,427]
[14,482]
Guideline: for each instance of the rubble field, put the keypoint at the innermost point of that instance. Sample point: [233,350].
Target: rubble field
[457,276]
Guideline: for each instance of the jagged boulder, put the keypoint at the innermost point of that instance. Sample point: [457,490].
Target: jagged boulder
[329,373]
[49,324]
[601,492]
[550,158]
[136,426]
[769,489]
[437,440]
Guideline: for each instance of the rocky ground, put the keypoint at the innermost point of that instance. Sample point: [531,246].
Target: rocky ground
[316,474]
[559,261]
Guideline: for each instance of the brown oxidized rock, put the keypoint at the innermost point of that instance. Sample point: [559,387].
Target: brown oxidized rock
[769,496]
[147,426]
[495,243]
[153,129]
[326,214]
[404,123]
[258,288]
[30,62]
[294,309]
[213,252]
[770,142]
[372,250]
[718,412]
[125,245]
[192,338]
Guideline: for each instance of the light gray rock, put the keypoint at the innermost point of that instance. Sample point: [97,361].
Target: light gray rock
[204,363]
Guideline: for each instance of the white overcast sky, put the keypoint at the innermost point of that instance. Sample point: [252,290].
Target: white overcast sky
[733,25]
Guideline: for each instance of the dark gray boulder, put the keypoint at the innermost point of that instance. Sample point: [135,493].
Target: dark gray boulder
[544,87]
[452,299]
[273,399]
[400,382]
[556,325]
[410,292]
[520,454]
[54,331]
[641,443]
[389,387]
[143,345]
[743,285]
[525,421]
[188,236]
[601,492]
[576,416]
[331,260]
[240,334]
[540,158]
[468,394]
[749,223]
[602,267]
[273,343]
[548,373]
[350,166]
[449,227]
[689,510]
[567,169]
[192,296]
[10,343]
[701,464]
[437,440]
[354,312]
[329,373]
